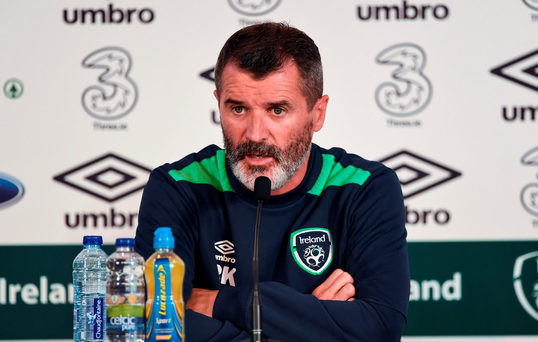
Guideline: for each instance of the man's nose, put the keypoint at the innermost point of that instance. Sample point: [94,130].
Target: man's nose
[257,129]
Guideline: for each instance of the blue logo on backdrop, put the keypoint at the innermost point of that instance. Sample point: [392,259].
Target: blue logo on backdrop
[11,190]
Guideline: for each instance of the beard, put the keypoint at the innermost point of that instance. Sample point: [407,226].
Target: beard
[286,161]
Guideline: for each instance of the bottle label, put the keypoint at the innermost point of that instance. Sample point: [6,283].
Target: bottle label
[96,319]
[165,322]
[125,318]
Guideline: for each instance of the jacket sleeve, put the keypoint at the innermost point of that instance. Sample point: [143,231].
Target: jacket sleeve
[159,208]
[378,262]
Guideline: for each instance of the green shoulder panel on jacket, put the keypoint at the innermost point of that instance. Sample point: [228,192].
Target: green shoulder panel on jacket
[334,174]
[211,171]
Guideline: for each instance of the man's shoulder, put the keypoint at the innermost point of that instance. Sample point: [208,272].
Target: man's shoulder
[206,166]
[207,154]
[340,169]
[337,155]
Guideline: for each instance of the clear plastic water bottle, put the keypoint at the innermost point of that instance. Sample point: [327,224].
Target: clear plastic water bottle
[89,282]
[125,294]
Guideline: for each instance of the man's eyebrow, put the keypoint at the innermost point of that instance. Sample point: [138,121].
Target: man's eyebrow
[232,101]
[282,103]
[275,104]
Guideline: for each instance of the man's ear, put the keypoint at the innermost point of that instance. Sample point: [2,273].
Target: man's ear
[320,108]
[216,94]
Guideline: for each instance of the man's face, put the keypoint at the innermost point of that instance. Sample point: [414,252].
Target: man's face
[267,126]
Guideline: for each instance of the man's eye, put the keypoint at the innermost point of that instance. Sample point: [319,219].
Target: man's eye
[238,109]
[278,111]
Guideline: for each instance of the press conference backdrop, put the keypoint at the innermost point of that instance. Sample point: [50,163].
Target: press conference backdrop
[98,93]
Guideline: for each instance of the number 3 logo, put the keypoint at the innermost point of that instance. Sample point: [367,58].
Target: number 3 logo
[413,90]
[122,93]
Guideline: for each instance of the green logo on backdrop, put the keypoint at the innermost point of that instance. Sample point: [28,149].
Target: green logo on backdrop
[526,282]
[13,88]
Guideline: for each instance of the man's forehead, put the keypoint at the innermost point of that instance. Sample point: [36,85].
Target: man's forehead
[233,75]
[234,67]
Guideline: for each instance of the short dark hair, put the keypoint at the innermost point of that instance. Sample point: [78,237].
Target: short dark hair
[263,48]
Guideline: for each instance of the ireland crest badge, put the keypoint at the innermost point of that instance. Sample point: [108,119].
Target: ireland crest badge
[312,249]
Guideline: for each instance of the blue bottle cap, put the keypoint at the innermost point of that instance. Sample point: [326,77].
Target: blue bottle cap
[125,242]
[163,238]
[92,240]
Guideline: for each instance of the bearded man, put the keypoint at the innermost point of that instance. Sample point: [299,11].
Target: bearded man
[333,260]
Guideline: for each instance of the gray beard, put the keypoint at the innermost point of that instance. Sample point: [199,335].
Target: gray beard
[286,162]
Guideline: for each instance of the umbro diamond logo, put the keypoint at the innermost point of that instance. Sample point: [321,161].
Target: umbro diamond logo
[209,74]
[418,174]
[522,70]
[109,177]
[224,246]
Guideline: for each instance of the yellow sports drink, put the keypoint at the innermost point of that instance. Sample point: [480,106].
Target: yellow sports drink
[165,310]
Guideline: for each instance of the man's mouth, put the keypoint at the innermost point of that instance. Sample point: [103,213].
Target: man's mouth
[259,156]
[254,153]
[259,159]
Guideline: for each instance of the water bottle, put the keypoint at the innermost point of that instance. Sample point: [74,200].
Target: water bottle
[89,282]
[125,294]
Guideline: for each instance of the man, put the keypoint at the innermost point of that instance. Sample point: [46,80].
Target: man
[333,255]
